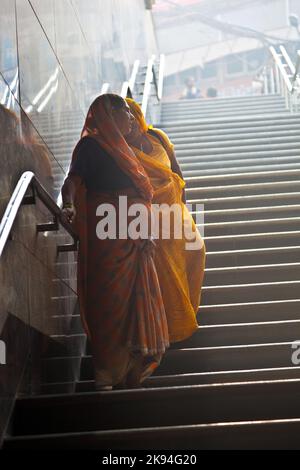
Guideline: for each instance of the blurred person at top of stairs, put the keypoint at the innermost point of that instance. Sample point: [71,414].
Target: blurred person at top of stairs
[191,91]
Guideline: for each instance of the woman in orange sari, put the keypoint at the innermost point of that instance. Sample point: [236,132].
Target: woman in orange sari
[180,269]
[120,300]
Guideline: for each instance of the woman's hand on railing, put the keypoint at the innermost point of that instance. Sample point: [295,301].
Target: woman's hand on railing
[69,211]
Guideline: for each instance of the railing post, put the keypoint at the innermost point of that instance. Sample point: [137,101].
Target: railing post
[266,88]
[277,80]
[161,75]
[132,80]
[124,90]
[286,95]
[272,81]
[104,89]
[282,87]
[148,81]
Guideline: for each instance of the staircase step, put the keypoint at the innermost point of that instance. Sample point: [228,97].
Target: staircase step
[65,345]
[242,189]
[237,334]
[291,130]
[59,388]
[251,213]
[237,167]
[65,324]
[262,291]
[237,142]
[252,274]
[201,139]
[244,227]
[245,171]
[204,378]
[238,202]
[221,122]
[234,112]
[186,156]
[62,304]
[217,105]
[235,129]
[243,177]
[84,412]
[249,312]
[251,240]
[244,333]
[60,369]
[226,100]
[209,359]
[251,257]
[254,435]
[244,164]
[63,268]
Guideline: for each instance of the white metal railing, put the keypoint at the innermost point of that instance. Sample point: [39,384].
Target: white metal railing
[161,74]
[150,86]
[128,88]
[20,197]
[283,78]
[296,78]
[153,88]
[148,83]
[105,88]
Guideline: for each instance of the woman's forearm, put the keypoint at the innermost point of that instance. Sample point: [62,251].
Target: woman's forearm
[69,188]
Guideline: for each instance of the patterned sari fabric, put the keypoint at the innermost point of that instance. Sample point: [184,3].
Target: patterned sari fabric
[119,295]
[180,270]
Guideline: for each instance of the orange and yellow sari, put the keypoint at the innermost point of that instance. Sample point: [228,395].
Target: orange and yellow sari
[180,271]
[120,300]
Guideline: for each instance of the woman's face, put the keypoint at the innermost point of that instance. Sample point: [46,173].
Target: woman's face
[135,131]
[123,119]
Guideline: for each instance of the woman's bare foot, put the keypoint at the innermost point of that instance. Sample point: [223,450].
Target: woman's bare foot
[133,379]
[102,380]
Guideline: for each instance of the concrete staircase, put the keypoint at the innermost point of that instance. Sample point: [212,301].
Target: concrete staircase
[233,384]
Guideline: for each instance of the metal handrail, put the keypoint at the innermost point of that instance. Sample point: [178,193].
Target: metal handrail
[128,86]
[152,77]
[125,91]
[286,77]
[105,88]
[132,80]
[155,81]
[161,75]
[287,58]
[296,78]
[148,81]
[20,197]
[292,67]
[281,68]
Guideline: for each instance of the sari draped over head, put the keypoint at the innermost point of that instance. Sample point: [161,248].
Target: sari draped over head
[180,270]
[119,296]
[100,125]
